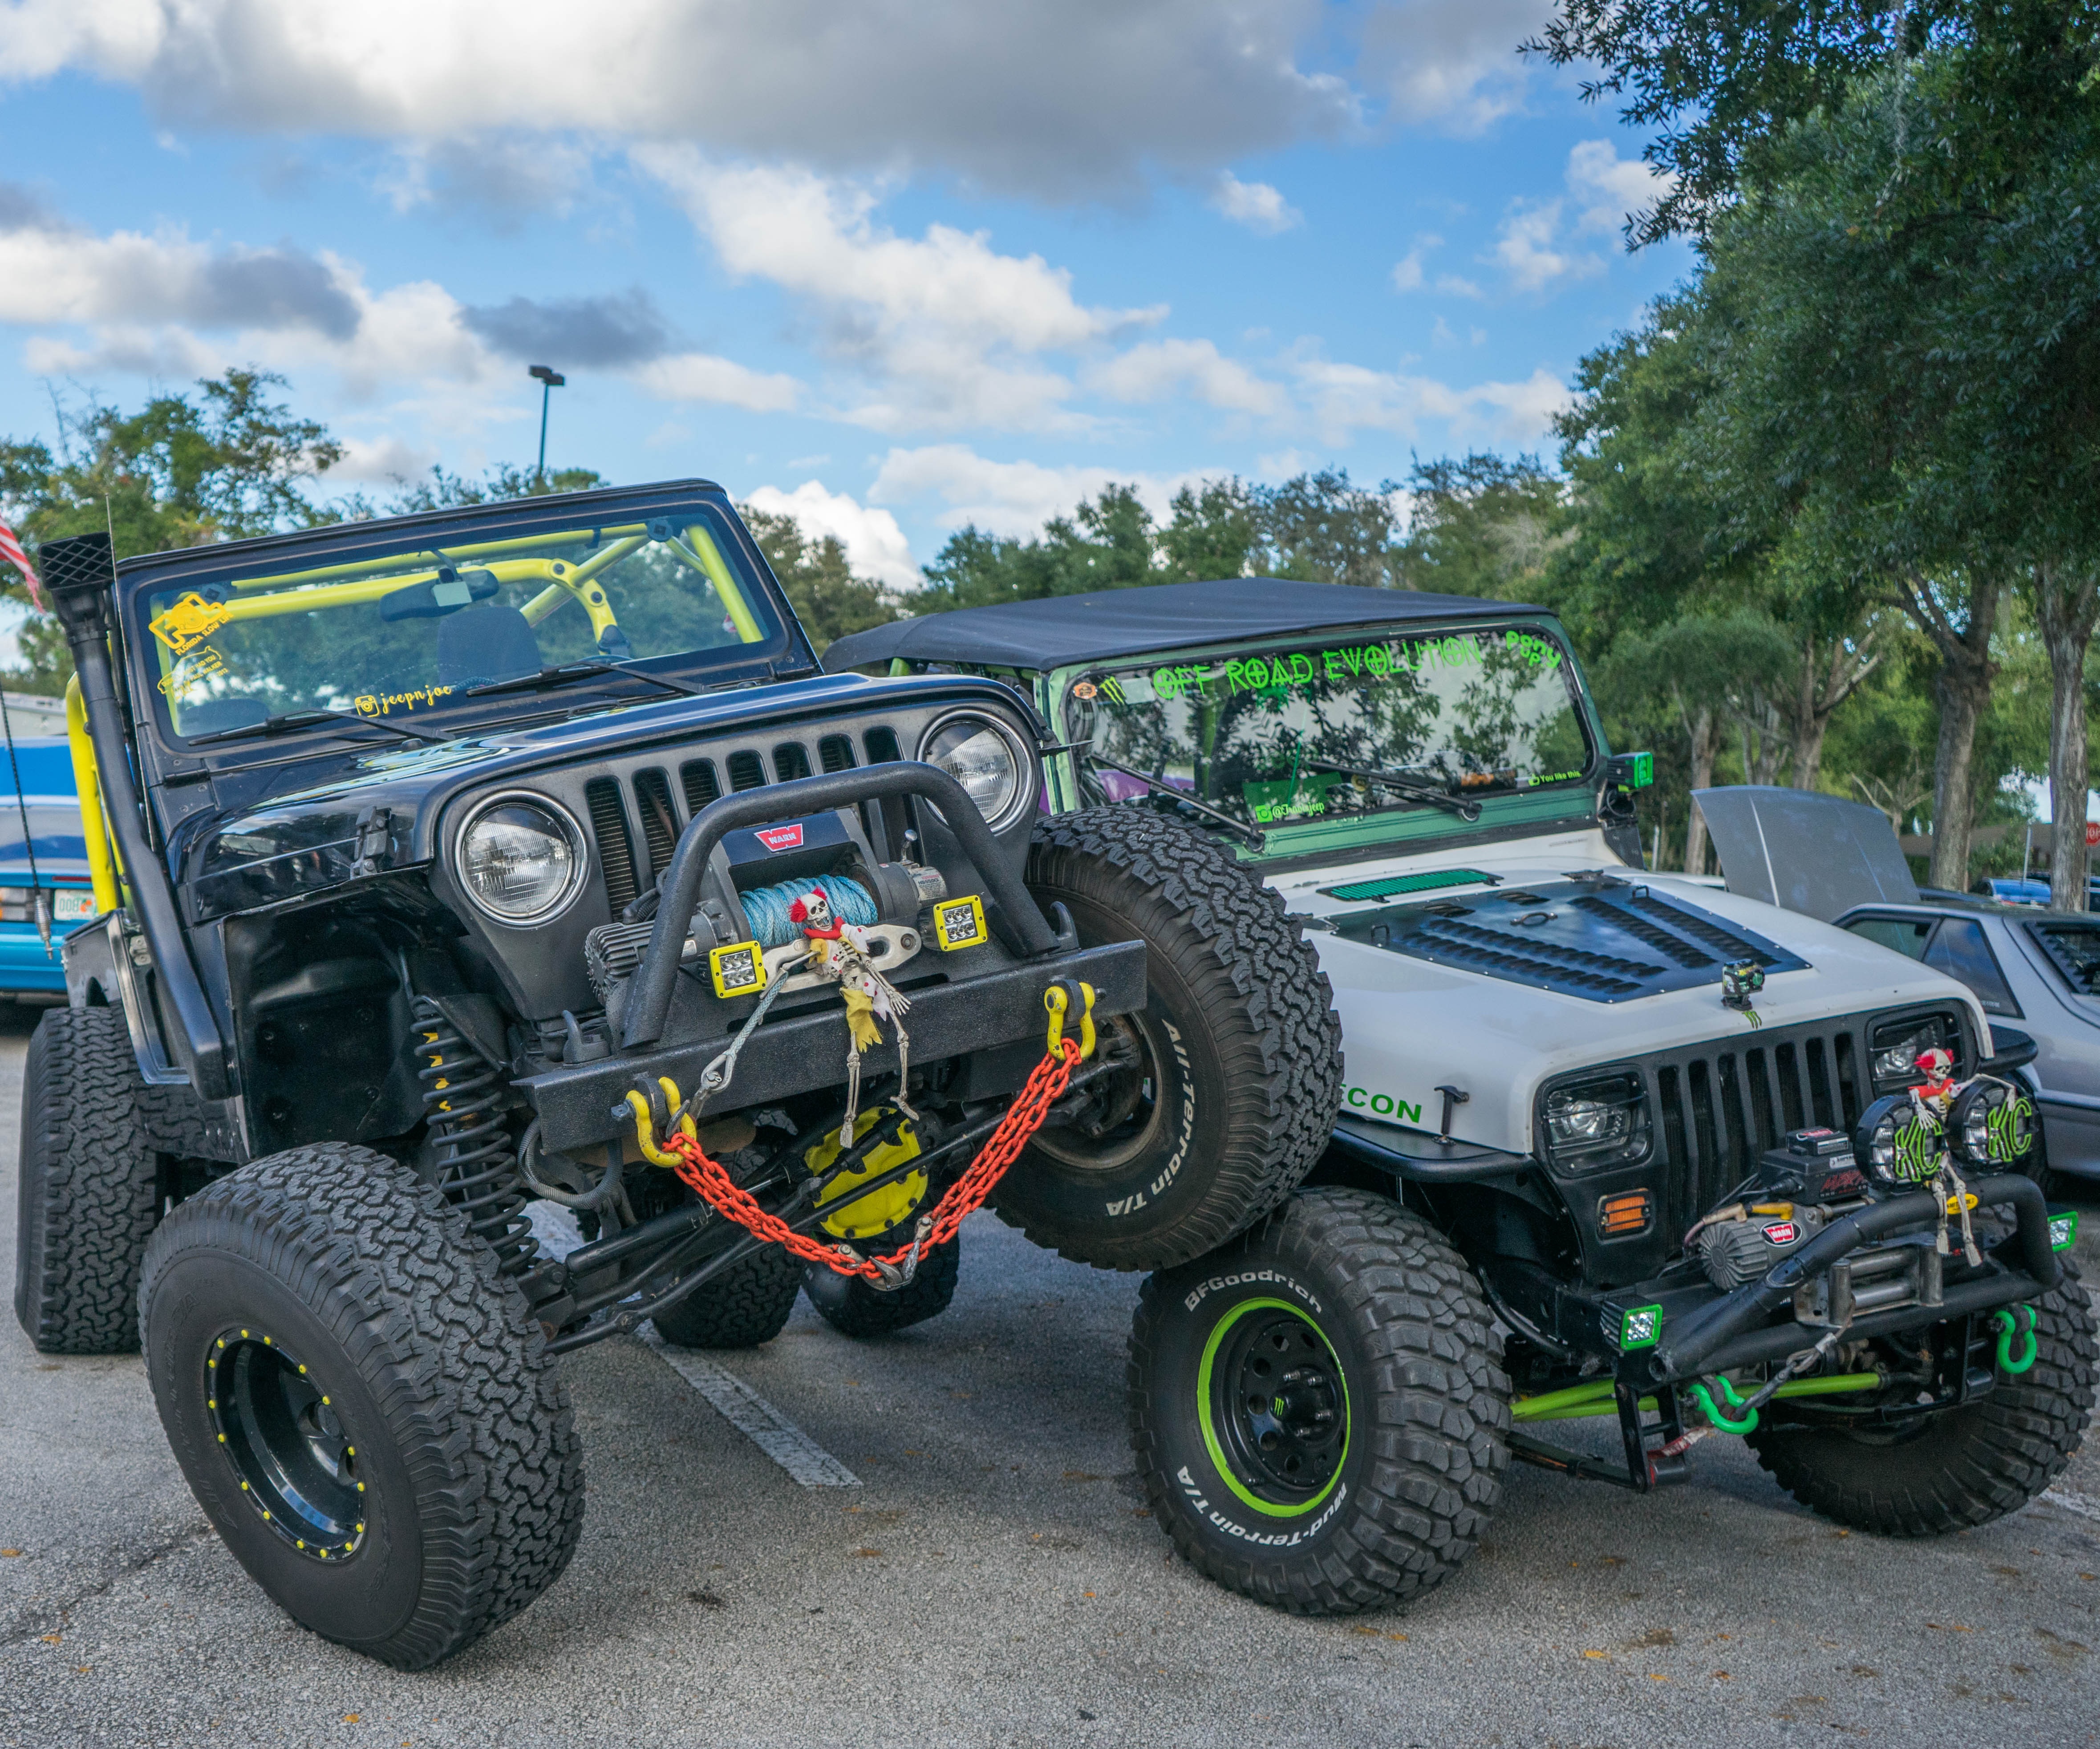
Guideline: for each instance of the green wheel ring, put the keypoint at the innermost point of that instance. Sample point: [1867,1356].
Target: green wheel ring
[1212,1444]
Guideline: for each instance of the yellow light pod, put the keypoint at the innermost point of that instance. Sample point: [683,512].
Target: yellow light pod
[738,969]
[959,924]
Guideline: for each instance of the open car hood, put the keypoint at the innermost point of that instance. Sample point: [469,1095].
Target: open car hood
[1805,852]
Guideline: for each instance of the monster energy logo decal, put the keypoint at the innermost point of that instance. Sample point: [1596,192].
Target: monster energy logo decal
[2011,1130]
[1916,1153]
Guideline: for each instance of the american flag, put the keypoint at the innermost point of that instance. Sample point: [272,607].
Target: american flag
[10,550]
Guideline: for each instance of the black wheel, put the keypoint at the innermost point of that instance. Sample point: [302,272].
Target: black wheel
[1234,1064]
[362,1402]
[850,1306]
[90,1187]
[1958,1467]
[1319,1410]
[742,1306]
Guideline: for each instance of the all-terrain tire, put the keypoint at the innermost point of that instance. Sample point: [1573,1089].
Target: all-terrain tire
[1240,1048]
[745,1306]
[853,1308]
[89,1188]
[1961,1467]
[436,1399]
[1342,1298]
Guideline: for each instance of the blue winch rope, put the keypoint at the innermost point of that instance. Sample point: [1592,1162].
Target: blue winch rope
[765,908]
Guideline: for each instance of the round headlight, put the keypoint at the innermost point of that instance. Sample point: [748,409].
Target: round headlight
[520,859]
[1897,1141]
[1992,1124]
[986,759]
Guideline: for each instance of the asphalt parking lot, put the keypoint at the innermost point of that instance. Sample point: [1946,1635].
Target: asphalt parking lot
[992,1578]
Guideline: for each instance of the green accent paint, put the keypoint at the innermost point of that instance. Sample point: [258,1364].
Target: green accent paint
[1427,881]
[2015,1321]
[1633,771]
[1211,1443]
[2062,1229]
[1580,1402]
[1720,1418]
[1640,1327]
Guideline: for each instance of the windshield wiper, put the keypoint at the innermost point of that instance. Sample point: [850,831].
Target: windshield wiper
[1400,784]
[1251,835]
[291,719]
[581,670]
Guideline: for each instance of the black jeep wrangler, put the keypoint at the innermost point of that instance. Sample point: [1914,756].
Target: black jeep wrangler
[452,864]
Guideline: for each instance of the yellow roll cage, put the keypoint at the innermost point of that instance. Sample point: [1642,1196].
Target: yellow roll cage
[313,591]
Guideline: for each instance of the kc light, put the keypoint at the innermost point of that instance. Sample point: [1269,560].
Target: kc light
[520,859]
[986,759]
[1897,1142]
[1991,1123]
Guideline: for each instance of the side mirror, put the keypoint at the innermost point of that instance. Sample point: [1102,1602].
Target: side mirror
[1628,771]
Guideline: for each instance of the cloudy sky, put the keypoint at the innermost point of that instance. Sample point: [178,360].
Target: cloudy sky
[894,264]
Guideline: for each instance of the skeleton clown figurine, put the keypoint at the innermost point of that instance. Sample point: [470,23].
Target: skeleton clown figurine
[1933,1097]
[838,950]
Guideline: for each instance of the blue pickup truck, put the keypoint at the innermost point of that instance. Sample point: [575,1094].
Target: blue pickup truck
[29,964]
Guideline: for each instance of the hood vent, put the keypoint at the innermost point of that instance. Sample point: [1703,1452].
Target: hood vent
[1612,943]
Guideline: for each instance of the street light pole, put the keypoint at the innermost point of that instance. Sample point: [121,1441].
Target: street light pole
[549,380]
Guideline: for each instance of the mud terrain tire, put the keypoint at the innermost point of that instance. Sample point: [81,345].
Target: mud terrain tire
[1343,1305]
[91,1186]
[325,1311]
[853,1308]
[1960,1467]
[1240,1047]
[745,1306]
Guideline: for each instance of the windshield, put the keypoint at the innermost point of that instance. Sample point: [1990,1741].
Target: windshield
[1463,714]
[404,633]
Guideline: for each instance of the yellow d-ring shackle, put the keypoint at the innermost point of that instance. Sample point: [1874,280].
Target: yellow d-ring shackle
[649,1117]
[1058,1000]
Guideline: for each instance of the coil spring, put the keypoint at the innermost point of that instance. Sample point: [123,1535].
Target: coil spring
[477,1170]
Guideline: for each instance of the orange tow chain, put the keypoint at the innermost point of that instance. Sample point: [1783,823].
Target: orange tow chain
[1024,1118]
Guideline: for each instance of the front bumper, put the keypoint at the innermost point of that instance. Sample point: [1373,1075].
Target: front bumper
[574,1101]
[1718,1332]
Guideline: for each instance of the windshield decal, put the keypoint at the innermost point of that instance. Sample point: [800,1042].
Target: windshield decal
[190,671]
[188,623]
[1380,661]
[380,704]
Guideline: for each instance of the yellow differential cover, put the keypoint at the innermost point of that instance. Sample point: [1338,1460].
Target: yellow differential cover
[852,1217]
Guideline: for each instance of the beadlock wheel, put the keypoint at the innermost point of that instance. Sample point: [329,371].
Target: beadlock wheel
[291,1454]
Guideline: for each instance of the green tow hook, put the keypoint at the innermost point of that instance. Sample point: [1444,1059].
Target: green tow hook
[2008,1320]
[1704,1399]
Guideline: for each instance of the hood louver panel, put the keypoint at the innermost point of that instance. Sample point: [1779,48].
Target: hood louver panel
[1604,942]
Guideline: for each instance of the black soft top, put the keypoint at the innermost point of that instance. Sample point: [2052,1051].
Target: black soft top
[1106,623]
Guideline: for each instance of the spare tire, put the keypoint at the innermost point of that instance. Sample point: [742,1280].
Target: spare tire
[1234,1062]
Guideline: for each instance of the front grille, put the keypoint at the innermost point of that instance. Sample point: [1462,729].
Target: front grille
[615,853]
[697,777]
[1718,1106]
[836,753]
[660,825]
[790,760]
[745,772]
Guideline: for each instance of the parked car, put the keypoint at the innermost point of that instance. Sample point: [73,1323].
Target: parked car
[2033,970]
[2012,889]
[1645,1127]
[45,892]
[521,852]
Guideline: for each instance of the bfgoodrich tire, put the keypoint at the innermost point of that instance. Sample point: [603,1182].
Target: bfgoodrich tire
[362,1402]
[90,1186]
[1236,1058]
[1958,1467]
[745,1306]
[853,1308]
[1319,1411]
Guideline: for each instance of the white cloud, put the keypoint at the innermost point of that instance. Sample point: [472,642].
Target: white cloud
[1410,273]
[875,546]
[1042,97]
[1453,62]
[1344,399]
[1610,187]
[1154,369]
[1005,497]
[1528,249]
[380,461]
[940,330]
[702,377]
[1256,205]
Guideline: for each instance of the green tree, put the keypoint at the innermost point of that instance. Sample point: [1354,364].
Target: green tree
[222,463]
[827,597]
[1483,525]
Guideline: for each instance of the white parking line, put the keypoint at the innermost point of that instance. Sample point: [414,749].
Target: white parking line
[2083,1504]
[754,1417]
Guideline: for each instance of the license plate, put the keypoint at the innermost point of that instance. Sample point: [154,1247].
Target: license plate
[71,907]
